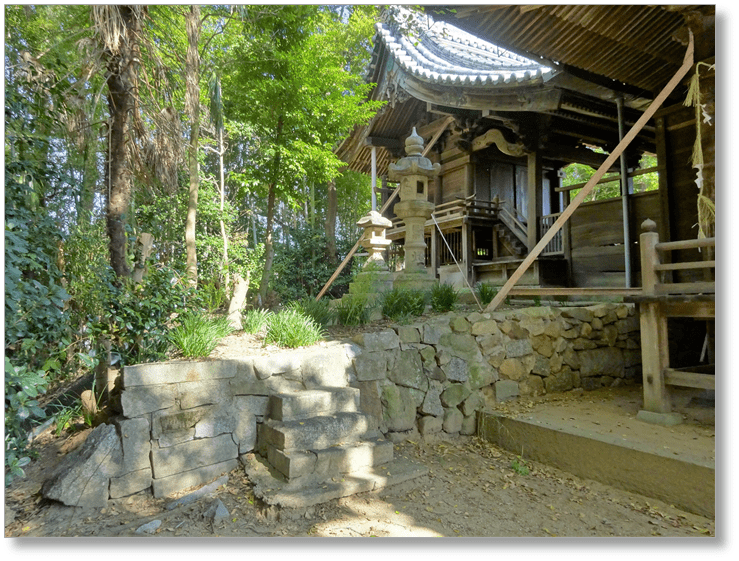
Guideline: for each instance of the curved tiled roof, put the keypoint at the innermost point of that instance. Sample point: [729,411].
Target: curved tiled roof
[444,54]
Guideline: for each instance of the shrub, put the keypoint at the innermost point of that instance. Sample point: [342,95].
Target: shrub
[292,329]
[443,297]
[22,388]
[197,335]
[256,320]
[319,311]
[485,293]
[399,304]
[353,310]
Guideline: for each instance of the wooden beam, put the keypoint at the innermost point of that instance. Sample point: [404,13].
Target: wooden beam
[565,216]
[686,379]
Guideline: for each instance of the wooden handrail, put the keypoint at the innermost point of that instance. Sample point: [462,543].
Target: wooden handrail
[686,244]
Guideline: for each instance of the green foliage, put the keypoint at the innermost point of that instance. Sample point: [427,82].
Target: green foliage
[256,320]
[400,304]
[22,389]
[197,335]
[137,317]
[353,310]
[301,268]
[537,300]
[485,293]
[580,173]
[443,297]
[319,311]
[519,466]
[292,329]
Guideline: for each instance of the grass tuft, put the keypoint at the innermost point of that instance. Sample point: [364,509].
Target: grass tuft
[292,329]
[256,320]
[401,304]
[443,297]
[320,311]
[197,335]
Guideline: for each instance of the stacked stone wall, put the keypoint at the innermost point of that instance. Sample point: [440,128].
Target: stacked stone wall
[433,377]
[186,422]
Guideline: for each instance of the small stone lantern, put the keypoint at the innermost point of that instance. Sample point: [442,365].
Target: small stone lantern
[374,240]
[413,173]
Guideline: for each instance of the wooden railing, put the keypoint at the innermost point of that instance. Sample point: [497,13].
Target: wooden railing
[556,244]
[654,280]
[662,299]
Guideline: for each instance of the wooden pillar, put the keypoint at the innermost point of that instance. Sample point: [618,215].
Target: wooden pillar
[655,357]
[534,194]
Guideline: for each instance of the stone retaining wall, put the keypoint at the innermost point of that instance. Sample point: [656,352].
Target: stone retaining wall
[435,376]
[186,422]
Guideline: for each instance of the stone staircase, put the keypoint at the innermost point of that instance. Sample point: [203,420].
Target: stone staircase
[316,445]
[322,433]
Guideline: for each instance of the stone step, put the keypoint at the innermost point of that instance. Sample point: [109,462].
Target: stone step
[316,433]
[306,491]
[305,404]
[336,460]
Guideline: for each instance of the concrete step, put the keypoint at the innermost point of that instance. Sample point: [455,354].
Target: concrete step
[336,460]
[305,404]
[316,433]
[272,488]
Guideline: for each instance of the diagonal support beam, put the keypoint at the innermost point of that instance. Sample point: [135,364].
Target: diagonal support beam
[565,216]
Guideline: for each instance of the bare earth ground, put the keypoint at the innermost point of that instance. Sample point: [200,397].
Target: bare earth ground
[472,490]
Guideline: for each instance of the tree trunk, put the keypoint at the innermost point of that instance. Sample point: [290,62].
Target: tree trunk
[221,149]
[330,225]
[192,103]
[122,76]
[269,250]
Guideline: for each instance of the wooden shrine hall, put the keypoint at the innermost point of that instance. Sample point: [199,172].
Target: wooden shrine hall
[505,97]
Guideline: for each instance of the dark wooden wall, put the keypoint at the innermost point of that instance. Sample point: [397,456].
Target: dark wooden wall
[596,234]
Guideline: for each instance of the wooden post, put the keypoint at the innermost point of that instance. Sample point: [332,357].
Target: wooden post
[655,357]
[649,257]
[534,196]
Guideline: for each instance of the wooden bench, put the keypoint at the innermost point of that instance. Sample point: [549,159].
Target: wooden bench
[659,300]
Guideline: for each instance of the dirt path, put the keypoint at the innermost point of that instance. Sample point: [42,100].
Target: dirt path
[473,490]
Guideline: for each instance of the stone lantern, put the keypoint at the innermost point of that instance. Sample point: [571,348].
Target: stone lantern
[413,173]
[374,240]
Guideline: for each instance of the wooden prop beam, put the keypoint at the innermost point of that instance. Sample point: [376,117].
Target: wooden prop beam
[565,216]
[351,253]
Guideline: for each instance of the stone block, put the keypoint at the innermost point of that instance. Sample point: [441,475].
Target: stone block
[160,373]
[409,334]
[398,411]
[452,420]
[516,369]
[432,333]
[141,400]
[166,486]
[455,394]
[370,402]
[561,382]
[581,314]
[312,403]
[316,433]
[481,374]
[432,401]
[83,477]
[458,324]
[472,404]
[245,432]
[194,394]
[531,386]
[371,366]
[215,425]
[485,327]
[378,341]
[130,483]
[175,420]
[273,384]
[605,361]
[506,390]
[469,425]
[327,366]
[286,365]
[408,371]
[518,347]
[429,425]
[251,404]
[456,370]
[193,454]
[135,442]
[175,437]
